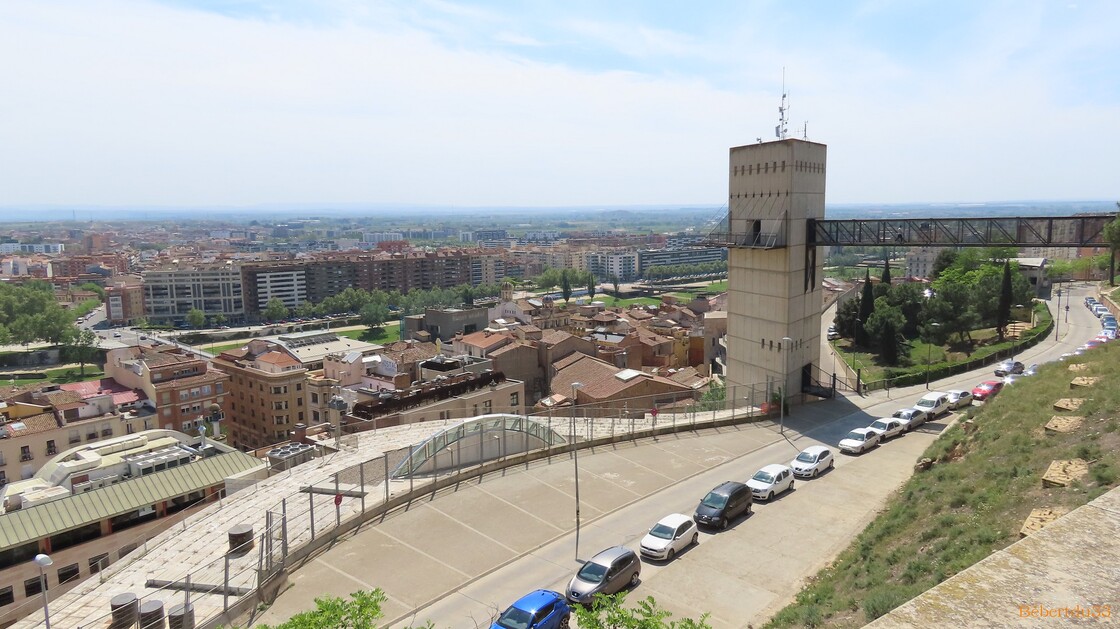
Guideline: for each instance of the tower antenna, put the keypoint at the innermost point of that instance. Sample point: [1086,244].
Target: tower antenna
[782,130]
[805,131]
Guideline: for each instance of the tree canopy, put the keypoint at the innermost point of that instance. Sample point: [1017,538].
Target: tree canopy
[30,313]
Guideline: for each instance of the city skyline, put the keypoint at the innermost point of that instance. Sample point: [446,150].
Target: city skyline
[476,104]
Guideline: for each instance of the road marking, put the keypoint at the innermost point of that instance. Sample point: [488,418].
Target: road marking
[419,552]
[528,513]
[429,505]
[644,467]
[355,579]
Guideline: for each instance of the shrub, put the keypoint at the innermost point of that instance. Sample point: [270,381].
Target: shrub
[882,600]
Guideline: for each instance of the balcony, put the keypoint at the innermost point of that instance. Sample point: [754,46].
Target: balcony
[52,451]
[26,456]
[108,432]
[91,436]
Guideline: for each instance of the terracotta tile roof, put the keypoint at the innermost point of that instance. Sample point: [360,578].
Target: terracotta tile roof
[93,388]
[60,398]
[210,377]
[43,422]
[275,357]
[159,359]
[555,337]
[485,340]
[516,345]
[601,379]
[411,352]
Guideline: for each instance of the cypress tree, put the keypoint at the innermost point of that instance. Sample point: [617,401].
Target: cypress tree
[1003,313]
[886,277]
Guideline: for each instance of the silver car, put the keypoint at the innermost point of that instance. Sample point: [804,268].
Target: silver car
[608,572]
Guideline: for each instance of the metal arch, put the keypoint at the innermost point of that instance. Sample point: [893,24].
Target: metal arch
[448,436]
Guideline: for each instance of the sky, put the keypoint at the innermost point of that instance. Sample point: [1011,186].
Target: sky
[581,102]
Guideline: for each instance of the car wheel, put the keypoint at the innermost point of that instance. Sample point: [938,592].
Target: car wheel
[672,553]
[723,524]
[769,496]
[831,463]
[696,538]
[791,486]
[634,580]
[815,472]
[564,622]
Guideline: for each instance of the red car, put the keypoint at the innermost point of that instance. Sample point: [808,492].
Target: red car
[987,389]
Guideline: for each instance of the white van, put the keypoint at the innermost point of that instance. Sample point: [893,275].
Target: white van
[934,403]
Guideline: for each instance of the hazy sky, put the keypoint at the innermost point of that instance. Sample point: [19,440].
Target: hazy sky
[573,102]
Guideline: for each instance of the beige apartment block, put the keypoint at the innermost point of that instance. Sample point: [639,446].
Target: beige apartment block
[774,277]
[267,397]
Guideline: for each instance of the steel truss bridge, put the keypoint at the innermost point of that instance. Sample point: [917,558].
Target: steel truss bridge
[1025,231]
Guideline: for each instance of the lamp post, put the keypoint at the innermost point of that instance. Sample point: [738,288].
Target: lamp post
[929,353]
[1057,315]
[44,561]
[785,383]
[575,457]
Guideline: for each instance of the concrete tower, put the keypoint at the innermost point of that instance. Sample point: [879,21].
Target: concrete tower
[774,278]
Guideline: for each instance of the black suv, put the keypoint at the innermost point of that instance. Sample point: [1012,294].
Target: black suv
[723,504]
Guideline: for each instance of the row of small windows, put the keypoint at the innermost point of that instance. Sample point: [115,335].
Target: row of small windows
[759,195]
[762,344]
[762,168]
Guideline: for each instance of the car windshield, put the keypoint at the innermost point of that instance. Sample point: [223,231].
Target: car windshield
[901,414]
[855,435]
[592,572]
[714,500]
[763,476]
[662,531]
[925,403]
[881,425]
[807,457]
[514,618]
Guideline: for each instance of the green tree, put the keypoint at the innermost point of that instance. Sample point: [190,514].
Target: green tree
[591,286]
[360,611]
[847,318]
[94,288]
[1003,314]
[1112,236]
[219,319]
[609,612]
[196,318]
[82,347]
[615,283]
[275,310]
[883,326]
[565,287]
[374,315]
[945,259]
[885,278]
[866,307]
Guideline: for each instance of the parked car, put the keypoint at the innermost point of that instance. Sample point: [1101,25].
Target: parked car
[833,335]
[116,335]
[887,428]
[1031,370]
[987,390]
[1090,302]
[770,481]
[723,504]
[811,461]
[539,609]
[1109,333]
[1011,379]
[859,441]
[934,403]
[1009,366]
[672,534]
[911,418]
[608,572]
[1100,310]
[959,399]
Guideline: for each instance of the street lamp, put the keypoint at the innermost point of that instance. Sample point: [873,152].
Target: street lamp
[44,561]
[575,457]
[1057,315]
[929,353]
[785,383]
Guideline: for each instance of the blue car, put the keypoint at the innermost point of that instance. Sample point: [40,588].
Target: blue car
[540,609]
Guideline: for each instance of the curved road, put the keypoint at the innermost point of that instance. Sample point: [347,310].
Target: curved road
[460,558]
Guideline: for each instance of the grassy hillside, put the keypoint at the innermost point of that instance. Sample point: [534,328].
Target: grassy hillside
[986,479]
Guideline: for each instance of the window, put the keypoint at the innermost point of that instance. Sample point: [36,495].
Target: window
[75,436]
[280,406]
[183,395]
[314,398]
[68,573]
[279,420]
[6,596]
[167,412]
[98,562]
[486,406]
[299,386]
[513,399]
[51,448]
[279,390]
[31,587]
[300,417]
[25,453]
[299,401]
[314,416]
[206,389]
[3,478]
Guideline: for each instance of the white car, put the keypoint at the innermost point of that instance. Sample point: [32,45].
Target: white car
[1031,371]
[934,403]
[672,534]
[859,441]
[887,428]
[911,418]
[958,398]
[811,461]
[771,480]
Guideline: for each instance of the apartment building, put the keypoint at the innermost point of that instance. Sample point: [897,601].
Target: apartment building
[178,385]
[606,265]
[487,267]
[268,395]
[124,303]
[648,258]
[170,292]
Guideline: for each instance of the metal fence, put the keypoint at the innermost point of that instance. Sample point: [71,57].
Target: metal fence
[289,529]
